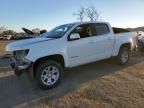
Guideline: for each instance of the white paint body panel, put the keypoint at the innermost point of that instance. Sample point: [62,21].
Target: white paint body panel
[76,52]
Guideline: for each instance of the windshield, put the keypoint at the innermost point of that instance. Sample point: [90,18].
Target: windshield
[58,32]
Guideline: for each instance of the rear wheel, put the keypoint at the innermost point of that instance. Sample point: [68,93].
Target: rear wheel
[49,74]
[123,56]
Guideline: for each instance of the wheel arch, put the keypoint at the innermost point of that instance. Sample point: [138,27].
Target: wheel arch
[57,57]
[117,48]
[126,45]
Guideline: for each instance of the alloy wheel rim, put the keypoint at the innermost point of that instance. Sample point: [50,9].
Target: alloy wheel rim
[50,75]
[124,57]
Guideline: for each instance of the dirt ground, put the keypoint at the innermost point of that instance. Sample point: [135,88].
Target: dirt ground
[97,85]
[124,88]
[3,44]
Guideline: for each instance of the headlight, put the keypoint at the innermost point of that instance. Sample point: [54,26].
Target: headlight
[21,53]
[20,56]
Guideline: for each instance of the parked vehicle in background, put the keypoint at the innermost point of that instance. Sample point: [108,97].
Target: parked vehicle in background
[28,34]
[141,44]
[68,46]
[1,38]
[6,37]
[33,33]
[140,35]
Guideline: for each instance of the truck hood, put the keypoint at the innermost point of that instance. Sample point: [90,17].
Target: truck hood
[20,45]
[27,31]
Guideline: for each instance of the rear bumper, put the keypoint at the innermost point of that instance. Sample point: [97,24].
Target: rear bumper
[19,69]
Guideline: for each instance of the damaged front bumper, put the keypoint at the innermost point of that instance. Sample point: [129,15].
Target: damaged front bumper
[20,68]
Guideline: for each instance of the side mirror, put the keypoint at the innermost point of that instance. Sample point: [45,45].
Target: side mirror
[74,36]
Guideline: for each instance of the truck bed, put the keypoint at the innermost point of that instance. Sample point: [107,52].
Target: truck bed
[123,37]
[119,30]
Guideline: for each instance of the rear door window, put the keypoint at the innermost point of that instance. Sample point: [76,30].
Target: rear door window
[102,29]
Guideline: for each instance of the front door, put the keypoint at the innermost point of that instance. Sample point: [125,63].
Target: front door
[80,51]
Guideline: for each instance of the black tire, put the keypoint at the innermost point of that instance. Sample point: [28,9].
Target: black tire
[119,58]
[40,71]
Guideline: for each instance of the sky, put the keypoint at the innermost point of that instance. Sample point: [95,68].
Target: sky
[46,14]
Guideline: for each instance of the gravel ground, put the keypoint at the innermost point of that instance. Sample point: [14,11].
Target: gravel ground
[102,84]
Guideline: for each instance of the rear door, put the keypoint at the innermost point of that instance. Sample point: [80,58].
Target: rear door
[103,41]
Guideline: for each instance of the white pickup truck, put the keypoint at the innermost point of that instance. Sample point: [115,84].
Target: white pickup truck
[68,46]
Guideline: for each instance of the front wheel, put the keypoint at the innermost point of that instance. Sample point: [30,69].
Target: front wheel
[123,56]
[48,74]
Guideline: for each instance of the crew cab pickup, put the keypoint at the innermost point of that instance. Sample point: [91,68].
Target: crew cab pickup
[68,46]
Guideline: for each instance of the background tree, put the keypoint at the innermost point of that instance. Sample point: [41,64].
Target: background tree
[2,29]
[9,32]
[0,34]
[80,14]
[92,13]
[36,30]
[43,31]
